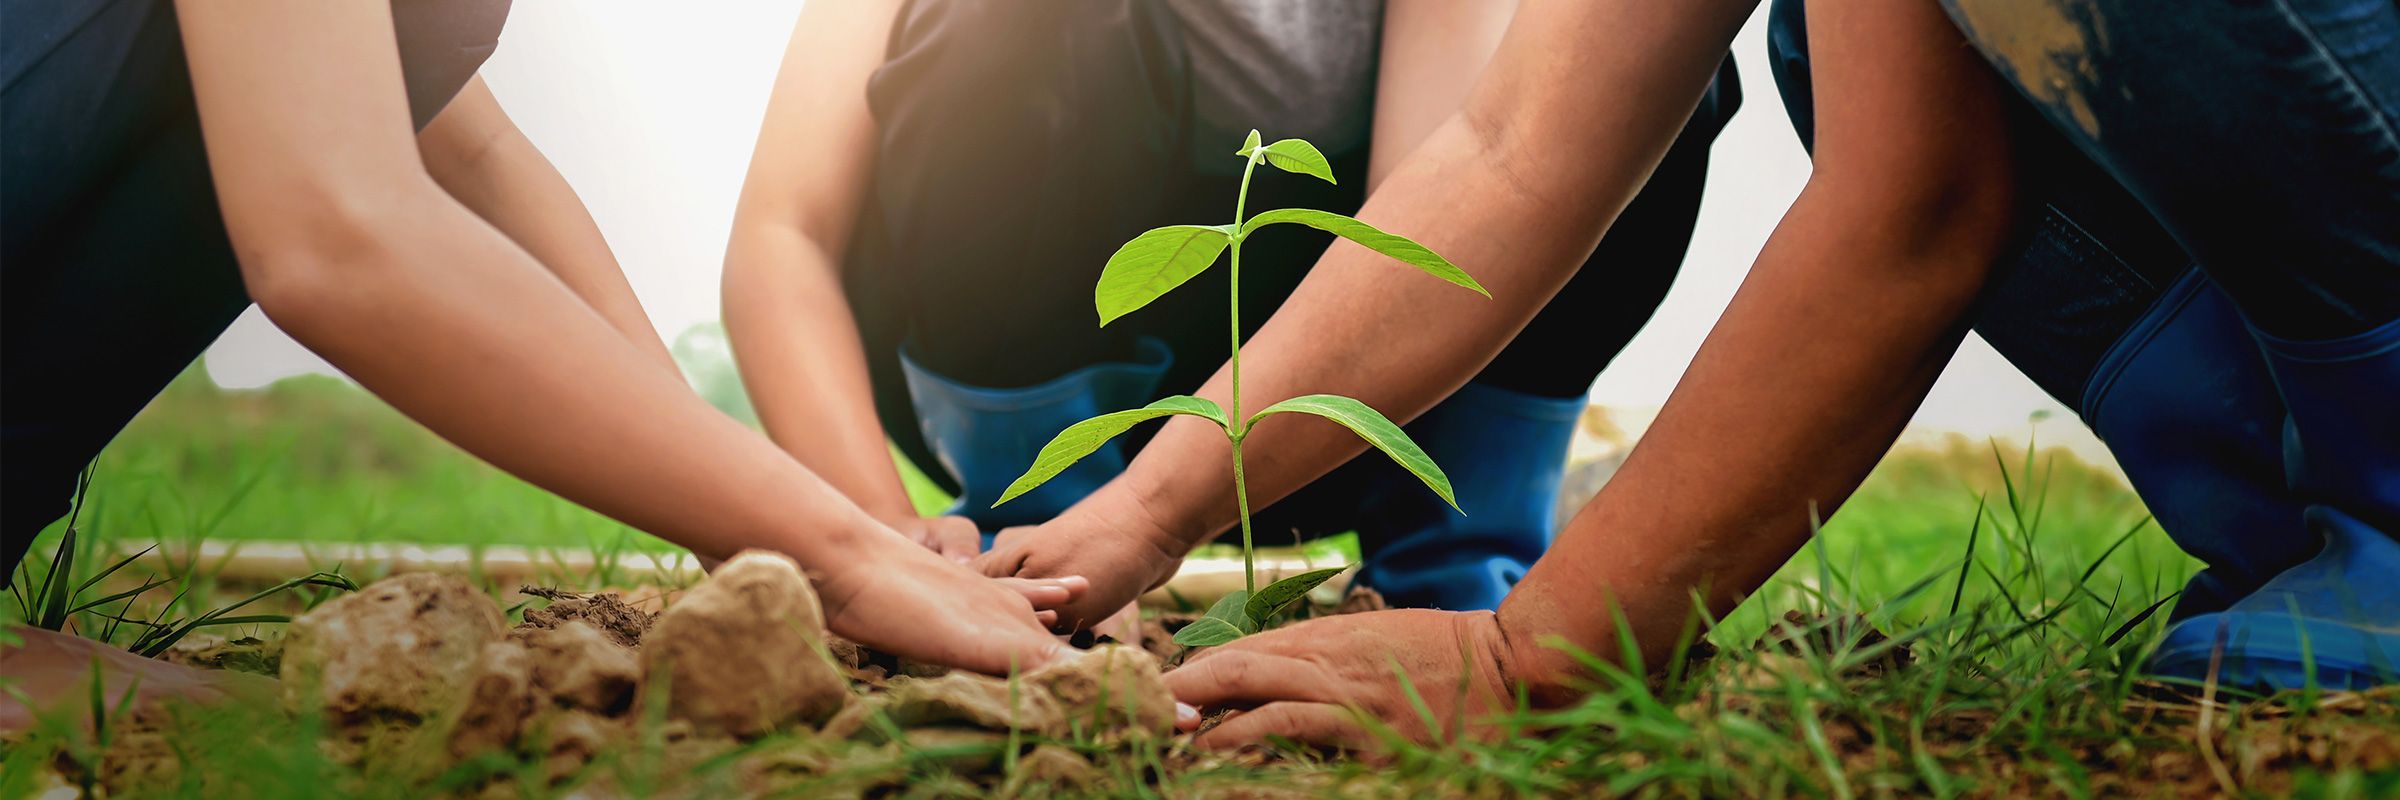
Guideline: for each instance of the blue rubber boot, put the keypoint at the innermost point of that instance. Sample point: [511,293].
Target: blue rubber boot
[1505,452]
[2298,582]
[2189,410]
[2334,621]
[987,437]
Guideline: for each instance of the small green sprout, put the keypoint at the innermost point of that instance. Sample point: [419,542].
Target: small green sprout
[1159,260]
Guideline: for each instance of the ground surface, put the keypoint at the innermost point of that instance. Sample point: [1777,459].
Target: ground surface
[1923,647]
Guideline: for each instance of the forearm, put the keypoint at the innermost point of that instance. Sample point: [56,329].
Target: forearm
[484,162]
[455,325]
[1794,396]
[1851,311]
[1516,188]
[804,365]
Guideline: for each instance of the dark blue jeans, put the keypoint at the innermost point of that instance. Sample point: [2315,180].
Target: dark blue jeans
[2184,159]
[115,271]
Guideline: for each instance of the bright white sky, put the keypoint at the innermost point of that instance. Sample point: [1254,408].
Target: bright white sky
[651,110]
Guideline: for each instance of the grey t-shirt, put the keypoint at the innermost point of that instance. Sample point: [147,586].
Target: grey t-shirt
[1289,68]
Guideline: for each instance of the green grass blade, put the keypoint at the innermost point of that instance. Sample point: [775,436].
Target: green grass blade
[112,569]
[54,594]
[1966,565]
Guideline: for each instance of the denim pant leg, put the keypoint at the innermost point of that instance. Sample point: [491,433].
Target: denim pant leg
[2266,138]
[2100,306]
[115,269]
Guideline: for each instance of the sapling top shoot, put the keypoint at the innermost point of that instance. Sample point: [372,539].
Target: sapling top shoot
[1163,258]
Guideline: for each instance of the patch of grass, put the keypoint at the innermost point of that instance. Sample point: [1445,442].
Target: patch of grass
[1969,624]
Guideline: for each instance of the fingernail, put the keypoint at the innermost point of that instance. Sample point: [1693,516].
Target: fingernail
[1186,716]
[1073,582]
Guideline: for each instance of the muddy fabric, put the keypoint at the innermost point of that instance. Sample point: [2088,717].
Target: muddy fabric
[978,252]
[115,271]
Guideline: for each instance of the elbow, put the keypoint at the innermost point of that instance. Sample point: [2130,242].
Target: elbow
[1940,227]
[309,261]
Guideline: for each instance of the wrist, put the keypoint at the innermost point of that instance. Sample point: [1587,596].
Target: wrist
[1530,657]
[1120,509]
[835,542]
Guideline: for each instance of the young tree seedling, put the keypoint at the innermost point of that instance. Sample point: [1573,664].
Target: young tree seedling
[1160,260]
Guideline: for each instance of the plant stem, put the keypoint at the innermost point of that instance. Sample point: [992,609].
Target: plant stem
[1235,430]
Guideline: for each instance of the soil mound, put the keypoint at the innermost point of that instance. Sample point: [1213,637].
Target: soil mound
[607,611]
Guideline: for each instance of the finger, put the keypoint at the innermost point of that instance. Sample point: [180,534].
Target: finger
[957,538]
[1237,678]
[1187,718]
[1320,725]
[1005,559]
[1047,617]
[1047,592]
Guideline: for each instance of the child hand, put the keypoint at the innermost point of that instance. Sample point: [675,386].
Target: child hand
[902,599]
[956,538]
[1121,562]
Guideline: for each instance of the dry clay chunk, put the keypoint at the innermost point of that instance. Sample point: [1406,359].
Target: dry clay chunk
[1110,688]
[578,666]
[738,654]
[498,699]
[573,669]
[402,647]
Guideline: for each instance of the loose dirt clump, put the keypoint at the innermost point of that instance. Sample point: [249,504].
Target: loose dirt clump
[401,649]
[245,654]
[578,667]
[1112,688]
[607,611]
[743,653]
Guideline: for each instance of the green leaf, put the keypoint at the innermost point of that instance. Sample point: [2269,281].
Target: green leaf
[1373,427]
[1297,155]
[1399,247]
[1280,594]
[1083,438]
[1207,632]
[1153,264]
[1230,608]
[1249,144]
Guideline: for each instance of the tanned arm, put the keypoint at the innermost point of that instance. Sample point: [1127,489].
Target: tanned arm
[477,154]
[792,330]
[1848,315]
[352,247]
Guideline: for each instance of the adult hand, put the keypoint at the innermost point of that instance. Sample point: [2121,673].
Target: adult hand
[956,538]
[1313,681]
[902,599]
[1121,560]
